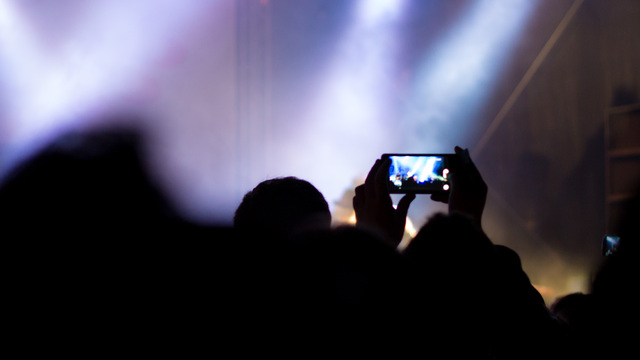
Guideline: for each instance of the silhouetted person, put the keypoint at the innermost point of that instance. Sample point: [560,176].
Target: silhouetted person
[576,311]
[345,291]
[84,184]
[475,301]
[327,288]
[98,259]
[612,325]
[282,207]
[603,322]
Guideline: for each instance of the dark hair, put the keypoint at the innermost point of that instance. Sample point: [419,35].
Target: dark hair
[282,206]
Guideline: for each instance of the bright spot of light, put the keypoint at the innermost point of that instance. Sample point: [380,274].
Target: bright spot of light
[547,292]
[410,228]
[372,11]
[352,219]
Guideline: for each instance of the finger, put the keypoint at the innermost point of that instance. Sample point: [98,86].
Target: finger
[442,197]
[474,172]
[464,164]
[469,169]
[359,198]
[459,182]
[369,182]
[381,178]
[403,205]
[372,172]
[463,156]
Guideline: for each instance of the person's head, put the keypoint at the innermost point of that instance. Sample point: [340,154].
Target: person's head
[453,240]
[89,180]
[454,261]
[622,268]
[573,309]
[614,306]
[614,283]
[282,206]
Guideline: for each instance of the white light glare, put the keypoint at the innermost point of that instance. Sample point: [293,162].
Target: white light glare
[373,11]
[352,102]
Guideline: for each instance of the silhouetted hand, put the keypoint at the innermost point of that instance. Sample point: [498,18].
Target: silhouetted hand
[468,190]
[374,207]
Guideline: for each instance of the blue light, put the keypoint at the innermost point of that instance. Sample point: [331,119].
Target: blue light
[455,78]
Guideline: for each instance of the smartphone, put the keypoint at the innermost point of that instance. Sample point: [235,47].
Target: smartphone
[610,244]
[419,173]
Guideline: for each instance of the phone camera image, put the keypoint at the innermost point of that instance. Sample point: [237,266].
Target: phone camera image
[413,173]
[610,244]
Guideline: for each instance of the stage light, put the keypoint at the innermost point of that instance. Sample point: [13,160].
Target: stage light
[353,107]
[345,119]
[456,76]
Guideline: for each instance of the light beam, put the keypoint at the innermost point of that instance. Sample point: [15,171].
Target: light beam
[455,78]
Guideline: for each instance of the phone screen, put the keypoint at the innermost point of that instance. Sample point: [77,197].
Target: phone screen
[610,244]
[418,173]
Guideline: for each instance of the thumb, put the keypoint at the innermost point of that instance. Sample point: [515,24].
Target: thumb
[442,197]
[404,203]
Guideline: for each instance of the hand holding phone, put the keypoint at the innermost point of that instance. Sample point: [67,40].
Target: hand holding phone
[449,178]
[374,208]
[610,244]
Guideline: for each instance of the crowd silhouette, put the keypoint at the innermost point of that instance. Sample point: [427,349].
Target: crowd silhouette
[100,263]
